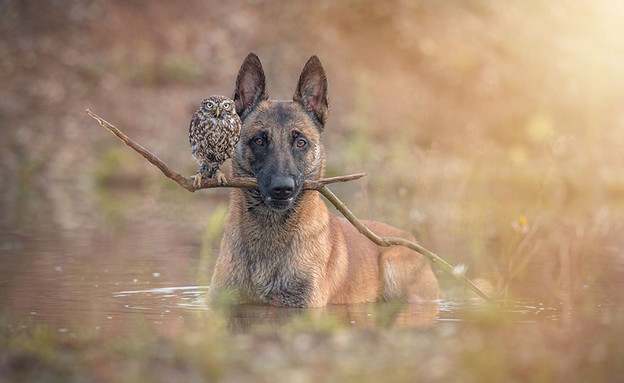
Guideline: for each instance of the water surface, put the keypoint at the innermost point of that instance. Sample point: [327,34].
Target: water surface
[111,280]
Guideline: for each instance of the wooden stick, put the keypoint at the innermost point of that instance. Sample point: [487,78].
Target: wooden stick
[320,185]
[187,182]
[458,272]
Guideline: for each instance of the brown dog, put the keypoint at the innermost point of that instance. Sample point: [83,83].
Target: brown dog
[281,244]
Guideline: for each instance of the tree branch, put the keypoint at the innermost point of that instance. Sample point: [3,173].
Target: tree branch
[320,185]
[187,182]
[459,272]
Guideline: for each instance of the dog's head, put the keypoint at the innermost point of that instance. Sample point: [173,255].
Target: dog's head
[280,142]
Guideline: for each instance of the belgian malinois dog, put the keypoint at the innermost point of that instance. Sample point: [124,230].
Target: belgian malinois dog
[281,244]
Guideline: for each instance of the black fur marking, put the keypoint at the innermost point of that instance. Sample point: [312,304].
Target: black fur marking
[281,115]
[292,293]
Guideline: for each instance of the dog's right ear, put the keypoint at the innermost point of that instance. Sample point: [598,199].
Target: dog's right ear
[250,86]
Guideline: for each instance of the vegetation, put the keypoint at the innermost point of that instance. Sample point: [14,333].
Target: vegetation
[491,130]
[487,347]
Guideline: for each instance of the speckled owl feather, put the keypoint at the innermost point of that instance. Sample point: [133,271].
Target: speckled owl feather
[213,134]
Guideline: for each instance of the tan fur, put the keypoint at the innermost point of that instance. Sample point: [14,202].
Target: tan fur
[300,254]
[344,265]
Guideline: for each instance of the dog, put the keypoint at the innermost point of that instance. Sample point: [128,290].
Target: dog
[281,245]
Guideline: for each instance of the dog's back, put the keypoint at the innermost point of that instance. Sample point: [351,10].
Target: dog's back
[281,244]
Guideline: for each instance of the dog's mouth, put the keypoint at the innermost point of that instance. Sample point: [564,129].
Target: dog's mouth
[278,204]
[280,193]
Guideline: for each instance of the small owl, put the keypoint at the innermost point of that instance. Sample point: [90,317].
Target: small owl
[213,134]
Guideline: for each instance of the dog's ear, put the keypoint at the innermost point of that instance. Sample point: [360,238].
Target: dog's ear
[311,91]
[250,86]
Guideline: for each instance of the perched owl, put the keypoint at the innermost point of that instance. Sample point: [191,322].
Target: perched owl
[213,134]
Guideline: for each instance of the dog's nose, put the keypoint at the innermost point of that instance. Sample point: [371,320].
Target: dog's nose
[282,187]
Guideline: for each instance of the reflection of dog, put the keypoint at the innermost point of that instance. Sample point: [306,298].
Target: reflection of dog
[281,244]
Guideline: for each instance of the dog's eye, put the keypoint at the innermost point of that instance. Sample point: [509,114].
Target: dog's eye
[259,141]
[301,143]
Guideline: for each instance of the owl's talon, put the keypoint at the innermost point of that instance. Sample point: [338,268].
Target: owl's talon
[197,180]
[220,177]
[202,172]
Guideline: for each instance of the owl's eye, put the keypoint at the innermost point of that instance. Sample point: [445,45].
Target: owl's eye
[259,141]
[226,105]
[301,143]
[210,104]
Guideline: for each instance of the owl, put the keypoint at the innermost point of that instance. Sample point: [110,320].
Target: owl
[213,134]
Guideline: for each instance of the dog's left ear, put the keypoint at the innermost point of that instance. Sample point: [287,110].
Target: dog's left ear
[311,91]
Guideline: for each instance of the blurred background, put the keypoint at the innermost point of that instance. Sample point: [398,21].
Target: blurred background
[491,130]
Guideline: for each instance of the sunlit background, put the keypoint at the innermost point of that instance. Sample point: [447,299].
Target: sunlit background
[492,130]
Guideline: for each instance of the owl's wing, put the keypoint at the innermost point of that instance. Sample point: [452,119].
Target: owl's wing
[195,121]
[195,135]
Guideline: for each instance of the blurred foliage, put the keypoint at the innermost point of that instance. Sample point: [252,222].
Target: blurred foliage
[118,166]
[210,243]
[308,347]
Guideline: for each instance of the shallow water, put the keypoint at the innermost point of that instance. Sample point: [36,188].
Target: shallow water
[111,263]
[112,280]
[131,272]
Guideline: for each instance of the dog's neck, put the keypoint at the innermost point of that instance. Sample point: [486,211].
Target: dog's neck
[267,227]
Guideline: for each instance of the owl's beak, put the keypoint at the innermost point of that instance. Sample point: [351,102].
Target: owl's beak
[218,112]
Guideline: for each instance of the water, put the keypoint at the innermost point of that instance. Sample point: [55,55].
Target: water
[64,278]
[110,280]
[120,283]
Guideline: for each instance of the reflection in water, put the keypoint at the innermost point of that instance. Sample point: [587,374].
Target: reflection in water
[112,281]
[172,303]
[186,301]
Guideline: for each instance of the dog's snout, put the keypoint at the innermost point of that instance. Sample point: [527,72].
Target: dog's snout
[282,187]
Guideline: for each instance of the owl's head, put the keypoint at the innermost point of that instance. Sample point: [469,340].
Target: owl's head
[218,106]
